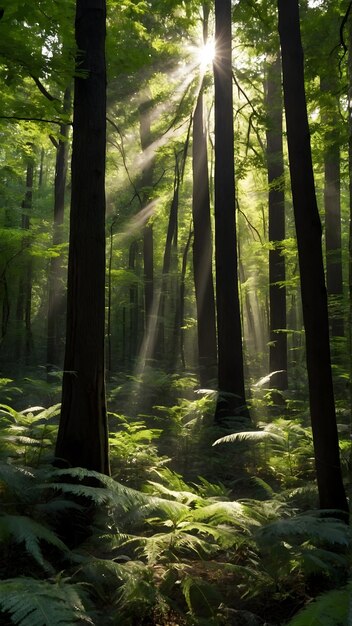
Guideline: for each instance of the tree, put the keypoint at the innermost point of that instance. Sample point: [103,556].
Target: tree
[202,239]
[83,437]
[277,274]
[230,356]
[56,297]
[313,290]
[332,202]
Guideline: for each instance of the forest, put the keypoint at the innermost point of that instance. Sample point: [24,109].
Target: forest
[175,312]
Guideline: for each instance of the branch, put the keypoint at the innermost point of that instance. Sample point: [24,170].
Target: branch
[253,228]
[123,154]
[342,26]
[42,89]
[32,119]
[53,141]
[244,93]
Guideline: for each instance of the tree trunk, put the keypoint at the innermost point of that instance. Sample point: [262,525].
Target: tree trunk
[148,243]
[230,356]
[24,299]
[133,305]
[202,251]
[313,290]
[56,294]
[178,331]
[83,435]
[332,206]
[277,290]
[165,290]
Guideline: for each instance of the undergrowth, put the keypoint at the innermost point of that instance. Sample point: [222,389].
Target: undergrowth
[165,541]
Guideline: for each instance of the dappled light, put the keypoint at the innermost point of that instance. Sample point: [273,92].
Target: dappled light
[175,313]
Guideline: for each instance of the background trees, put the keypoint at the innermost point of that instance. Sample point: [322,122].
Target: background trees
[174,134]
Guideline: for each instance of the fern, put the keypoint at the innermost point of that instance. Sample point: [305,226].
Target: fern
[251,436]
[202,598]
[33,602]
[25,530]
[305,526]
[330,609]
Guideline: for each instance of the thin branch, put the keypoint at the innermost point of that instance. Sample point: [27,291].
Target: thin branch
[121,149]
[53,141]
[177,115]
[252,228]
[42,89]
[32,119]
[241,90]
[342,26]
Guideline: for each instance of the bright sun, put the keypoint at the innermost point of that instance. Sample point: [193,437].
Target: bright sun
[206,54]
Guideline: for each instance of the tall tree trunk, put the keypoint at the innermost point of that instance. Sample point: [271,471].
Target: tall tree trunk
[24,298]
[83,435]
[332,205]
[277,275]
[133,305]
[178,331]
[171,237]
[313,290]
[230,356]
[56,295]
[349,26]
[202,250]
[148,242]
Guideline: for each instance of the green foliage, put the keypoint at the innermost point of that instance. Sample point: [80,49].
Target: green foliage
[330,609]
[33,602]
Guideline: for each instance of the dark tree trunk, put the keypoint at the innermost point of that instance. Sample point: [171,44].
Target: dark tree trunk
[41,169]
[350,205]
[134,304]
[178,332]
[148,242]
[171,238]
[313,290]
[56,294]
[202,250]
[24,299]
[277,290]
[230,356]
[83,435]
[332,207]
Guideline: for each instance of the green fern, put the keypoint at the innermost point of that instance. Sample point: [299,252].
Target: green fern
[306,526]
[33,602]
[21,529]
[330,609]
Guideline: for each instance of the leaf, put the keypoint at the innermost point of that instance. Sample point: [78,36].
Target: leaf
[40,603]
[329,609]
[253,435]
[26,530]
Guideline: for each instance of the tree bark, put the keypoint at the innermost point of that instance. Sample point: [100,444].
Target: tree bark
[332,205]
[313,290]
[277,275]
[230,355]
[148,241]
[56,294]
[202,250]
[24,299]
[83,434]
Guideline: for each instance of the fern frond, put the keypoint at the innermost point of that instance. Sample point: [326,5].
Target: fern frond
[33,602]
[233,513]
[251,436]
[202,598]
[329,609]
[186,497]
[301,527]
[23,529]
